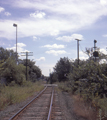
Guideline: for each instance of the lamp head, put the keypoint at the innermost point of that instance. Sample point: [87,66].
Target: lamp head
[15,25]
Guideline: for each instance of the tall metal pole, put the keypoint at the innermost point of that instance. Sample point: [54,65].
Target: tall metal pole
[15,25]
[16,43]
[78,50]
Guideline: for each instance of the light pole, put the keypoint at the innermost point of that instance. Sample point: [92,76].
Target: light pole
[15,25]
[78,49]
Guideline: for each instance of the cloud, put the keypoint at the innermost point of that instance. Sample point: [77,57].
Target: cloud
[34,38]
[38,14]
[70,38]
[7,13]
[20,47]
[103,2]
[54,33]
[41,59]
[27,27]
[105,35]
[56,52]
[54,46]
[103,51]
[59,17]
[103,61]
[1,9]
[83,56]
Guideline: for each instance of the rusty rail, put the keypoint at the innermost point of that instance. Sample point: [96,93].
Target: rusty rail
[22,109]
[50,109]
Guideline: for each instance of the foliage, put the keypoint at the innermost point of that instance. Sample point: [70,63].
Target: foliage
[5,54]
[53,77]
[62,68]
[13,72]
[15,94]
[33,70]
[10,70]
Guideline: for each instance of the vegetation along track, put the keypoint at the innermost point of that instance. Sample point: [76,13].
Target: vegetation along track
[36,109]
[39,108]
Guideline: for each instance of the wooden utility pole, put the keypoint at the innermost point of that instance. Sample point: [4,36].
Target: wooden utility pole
[26,54]
[78,50]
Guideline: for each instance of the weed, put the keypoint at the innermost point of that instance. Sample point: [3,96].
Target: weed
[14,94]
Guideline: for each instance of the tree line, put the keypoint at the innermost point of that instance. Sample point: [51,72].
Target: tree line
[89,78]
[15,70]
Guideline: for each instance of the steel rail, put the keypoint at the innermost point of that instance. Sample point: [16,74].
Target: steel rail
[50,109]
[15,115]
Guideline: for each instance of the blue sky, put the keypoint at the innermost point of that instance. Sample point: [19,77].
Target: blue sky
[48,28]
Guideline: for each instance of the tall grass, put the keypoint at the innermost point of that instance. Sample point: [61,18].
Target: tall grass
[14,94]
[96,108]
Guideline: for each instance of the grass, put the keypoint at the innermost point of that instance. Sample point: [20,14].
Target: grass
[97,108]
[84,109]
[81,108]
[15,94]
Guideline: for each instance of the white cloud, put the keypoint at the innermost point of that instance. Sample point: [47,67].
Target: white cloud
[70,38]
[103,2]
[19,48]
[1,9]
[60,18]
[56,52]
[105,35]
[83,56]
[7,13]
[54,33]
[38,14]
[41,59]
[34,38]
[54,46]
[27,27]
[103,51]
[103,61]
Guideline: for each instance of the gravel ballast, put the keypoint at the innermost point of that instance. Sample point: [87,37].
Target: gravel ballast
[66,104]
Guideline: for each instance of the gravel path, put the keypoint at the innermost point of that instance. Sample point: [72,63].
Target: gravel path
[66,103]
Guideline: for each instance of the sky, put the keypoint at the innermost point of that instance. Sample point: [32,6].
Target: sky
[48,28]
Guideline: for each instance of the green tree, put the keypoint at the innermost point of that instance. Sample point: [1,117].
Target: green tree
[33,70]
[62,68]
[5,54]
[13,72]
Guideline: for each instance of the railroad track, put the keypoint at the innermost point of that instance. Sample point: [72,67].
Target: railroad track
[44,106]
[40,108]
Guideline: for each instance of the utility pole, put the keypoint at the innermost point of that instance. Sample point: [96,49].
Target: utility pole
[26,54]
[78,49]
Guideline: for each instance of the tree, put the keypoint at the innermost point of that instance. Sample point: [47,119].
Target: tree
[62,68]
[13,72]
[34,71]
[5,54]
